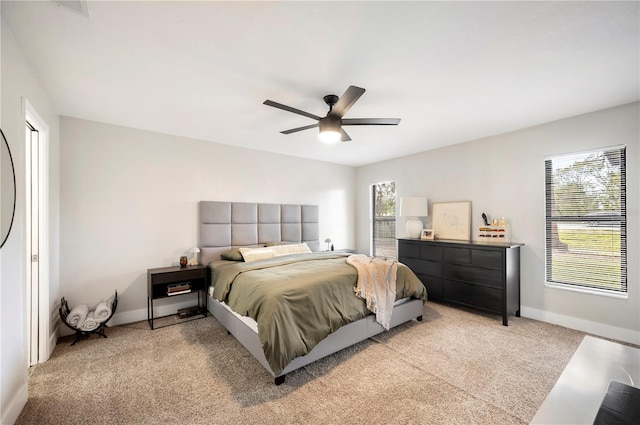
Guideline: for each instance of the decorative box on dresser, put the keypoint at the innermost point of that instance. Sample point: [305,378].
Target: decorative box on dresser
[485,276]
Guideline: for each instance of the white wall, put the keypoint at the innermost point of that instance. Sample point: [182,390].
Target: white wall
[20,82]
[126,201]
[129,202]
[504,176]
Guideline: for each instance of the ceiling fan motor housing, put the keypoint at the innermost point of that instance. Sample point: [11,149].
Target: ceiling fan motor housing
[330,123]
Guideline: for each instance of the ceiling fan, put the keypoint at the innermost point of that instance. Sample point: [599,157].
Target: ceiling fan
[331,130]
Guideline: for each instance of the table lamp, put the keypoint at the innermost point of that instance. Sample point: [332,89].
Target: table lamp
[194,259]
[413,208]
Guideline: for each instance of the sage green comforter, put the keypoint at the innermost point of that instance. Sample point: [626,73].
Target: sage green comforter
[298,300]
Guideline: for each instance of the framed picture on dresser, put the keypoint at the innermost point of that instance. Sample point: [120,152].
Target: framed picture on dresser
[427,235]
[452,220]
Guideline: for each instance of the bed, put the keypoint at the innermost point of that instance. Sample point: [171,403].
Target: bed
[227,225]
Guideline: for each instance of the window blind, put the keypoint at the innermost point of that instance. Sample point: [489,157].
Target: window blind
[586,220]
[384,242]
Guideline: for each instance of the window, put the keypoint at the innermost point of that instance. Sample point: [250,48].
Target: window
[586,220]
[383,232]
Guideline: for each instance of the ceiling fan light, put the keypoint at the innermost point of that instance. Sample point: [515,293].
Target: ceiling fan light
[329,137]
[330,129]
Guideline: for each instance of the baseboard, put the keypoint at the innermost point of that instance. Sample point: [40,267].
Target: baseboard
[53,338]
[16,405]
[141,314]
[595,328]
[131,316]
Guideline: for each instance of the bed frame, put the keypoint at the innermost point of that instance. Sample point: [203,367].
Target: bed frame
[223,225]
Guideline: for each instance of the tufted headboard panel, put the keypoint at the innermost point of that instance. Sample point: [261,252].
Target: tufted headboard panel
[222,225]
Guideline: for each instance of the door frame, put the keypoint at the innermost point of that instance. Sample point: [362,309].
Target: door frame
[46,339]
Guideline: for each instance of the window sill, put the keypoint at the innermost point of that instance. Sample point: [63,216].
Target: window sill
[591,291]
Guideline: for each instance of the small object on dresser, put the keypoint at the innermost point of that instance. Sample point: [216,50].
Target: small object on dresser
[427,234]
[183,261]
[486,220]
[494,234]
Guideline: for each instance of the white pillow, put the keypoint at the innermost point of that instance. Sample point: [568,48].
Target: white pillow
[299,248]
[255,254]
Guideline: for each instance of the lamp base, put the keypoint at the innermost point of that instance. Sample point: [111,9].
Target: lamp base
[414,228]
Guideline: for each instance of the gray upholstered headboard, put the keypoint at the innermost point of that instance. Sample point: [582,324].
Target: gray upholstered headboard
[222,225]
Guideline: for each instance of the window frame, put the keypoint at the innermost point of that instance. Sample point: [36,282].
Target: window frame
[591,219]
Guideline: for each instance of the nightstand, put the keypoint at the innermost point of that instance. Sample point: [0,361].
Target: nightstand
[169,282]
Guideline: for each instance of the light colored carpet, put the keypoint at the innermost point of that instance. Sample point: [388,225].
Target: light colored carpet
[455,367]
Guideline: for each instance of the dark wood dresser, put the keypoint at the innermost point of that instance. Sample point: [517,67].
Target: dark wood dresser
[485,276]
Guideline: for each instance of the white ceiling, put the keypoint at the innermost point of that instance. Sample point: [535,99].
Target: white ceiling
[453,71]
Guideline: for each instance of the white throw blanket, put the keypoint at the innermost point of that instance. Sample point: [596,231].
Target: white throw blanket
[77,315]
[376,284]
[102,310]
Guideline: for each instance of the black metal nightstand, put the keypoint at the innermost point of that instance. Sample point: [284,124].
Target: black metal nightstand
[174,281]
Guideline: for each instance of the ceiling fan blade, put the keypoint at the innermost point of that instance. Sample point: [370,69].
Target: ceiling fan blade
[347,100]
[370,121]
[290,109]
[295,130]
[344,137]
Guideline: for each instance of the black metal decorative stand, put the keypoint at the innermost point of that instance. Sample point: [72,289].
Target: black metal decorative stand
[64,313]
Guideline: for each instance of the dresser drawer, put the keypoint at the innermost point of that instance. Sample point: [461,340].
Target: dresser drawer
[428,252]
[408,249]
[474,295]
[457,255]
[424,267]
[433,285]
[472,274]
[182,275]
[487,258]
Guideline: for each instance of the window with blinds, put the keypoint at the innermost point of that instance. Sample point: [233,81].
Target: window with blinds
[383,232]
[586,220]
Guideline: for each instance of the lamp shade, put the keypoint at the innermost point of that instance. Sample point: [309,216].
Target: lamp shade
[194,258]
[413,207]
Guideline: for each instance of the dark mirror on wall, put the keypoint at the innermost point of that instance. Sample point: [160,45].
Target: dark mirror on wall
[7,191]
